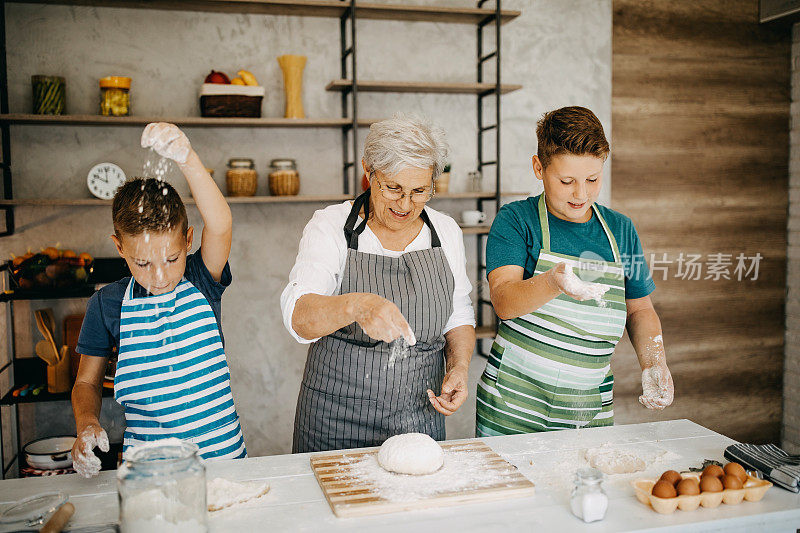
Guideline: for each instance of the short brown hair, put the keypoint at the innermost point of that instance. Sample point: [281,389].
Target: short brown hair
[147,204]
[570,130]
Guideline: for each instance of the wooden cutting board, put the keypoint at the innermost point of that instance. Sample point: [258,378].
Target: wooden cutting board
[350,494]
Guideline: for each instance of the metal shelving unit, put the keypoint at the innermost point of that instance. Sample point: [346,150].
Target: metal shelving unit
[349,12]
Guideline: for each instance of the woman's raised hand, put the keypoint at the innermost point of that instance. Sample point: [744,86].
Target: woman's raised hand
[381,319]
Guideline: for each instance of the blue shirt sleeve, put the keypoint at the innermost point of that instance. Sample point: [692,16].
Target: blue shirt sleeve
[95,337]
[638,281]
[197,273]
[511,241]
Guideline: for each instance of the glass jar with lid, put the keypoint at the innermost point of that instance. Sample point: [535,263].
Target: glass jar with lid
[241,178]
[115,98]
[284,179]
[162,487]
[588,500]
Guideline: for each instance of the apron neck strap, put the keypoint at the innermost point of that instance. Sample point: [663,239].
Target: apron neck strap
[351,231]
[545,224]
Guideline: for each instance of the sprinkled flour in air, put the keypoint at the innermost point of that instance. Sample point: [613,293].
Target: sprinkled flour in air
[583,289]
[461,470]
[398,349]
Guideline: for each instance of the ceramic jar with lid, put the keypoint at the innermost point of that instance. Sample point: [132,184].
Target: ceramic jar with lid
[283,178]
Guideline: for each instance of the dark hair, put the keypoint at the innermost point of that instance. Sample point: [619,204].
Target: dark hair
[147,204]
[570,130]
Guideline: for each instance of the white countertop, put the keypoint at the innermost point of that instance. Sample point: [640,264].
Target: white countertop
[296,503]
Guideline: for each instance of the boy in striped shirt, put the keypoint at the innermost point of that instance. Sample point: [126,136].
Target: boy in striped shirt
[172,377]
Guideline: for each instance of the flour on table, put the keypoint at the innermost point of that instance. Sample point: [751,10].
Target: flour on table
[411,453]
[610,460]
[221,493]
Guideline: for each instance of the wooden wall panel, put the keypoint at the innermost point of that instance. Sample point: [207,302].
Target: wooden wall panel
[700,143]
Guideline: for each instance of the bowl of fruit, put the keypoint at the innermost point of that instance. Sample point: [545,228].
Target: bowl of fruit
[51,268]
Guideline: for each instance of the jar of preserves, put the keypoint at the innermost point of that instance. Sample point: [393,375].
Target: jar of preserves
[241,178]
[162,487]
[283,178]
[115,99]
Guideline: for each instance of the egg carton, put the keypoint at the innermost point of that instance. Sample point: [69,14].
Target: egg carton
[753,490]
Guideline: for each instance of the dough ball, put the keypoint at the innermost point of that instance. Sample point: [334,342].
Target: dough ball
[610,460]
[411,453]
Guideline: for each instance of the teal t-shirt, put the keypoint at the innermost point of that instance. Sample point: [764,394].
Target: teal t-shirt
[516,239]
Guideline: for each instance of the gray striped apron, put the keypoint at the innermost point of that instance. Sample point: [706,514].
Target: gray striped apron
[352,394]
[551,369]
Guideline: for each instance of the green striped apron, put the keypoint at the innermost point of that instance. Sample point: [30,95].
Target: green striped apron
[551,369]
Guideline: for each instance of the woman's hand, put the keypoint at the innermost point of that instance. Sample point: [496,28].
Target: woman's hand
[658,391]
[563,279]
[84,461]
[167,140]
[454,391]
[381,319]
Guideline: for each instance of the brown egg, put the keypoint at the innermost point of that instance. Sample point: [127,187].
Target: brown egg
[714,470]
[731,482]
[671,476]
[710,484]
[664,489]
[688,486]
[735,469]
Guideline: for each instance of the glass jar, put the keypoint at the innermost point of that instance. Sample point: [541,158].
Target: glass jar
[475,181]
[241,178]
[49,95]
[115,99]
[162,487]
[589,501]
[284,179]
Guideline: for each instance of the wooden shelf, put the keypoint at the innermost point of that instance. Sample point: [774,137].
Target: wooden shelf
[304,8]
[419,87]
[99,120]
[299,199]
[475,230]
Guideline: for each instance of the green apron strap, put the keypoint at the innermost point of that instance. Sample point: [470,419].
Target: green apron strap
[546,229]
[544,224]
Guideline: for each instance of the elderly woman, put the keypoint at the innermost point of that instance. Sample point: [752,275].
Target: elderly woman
[380,291]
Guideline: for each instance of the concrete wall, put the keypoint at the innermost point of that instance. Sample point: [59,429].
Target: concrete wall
[559,50]
[791,377]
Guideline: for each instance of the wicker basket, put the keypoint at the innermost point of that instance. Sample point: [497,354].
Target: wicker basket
[241,182]
[284,183]
[221,100]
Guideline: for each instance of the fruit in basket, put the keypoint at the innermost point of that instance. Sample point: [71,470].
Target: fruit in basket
[68,253]
[247,77]
[217,77]
[688,487]
[50,268]
[51,252]
[86,258]
[238,81]
[664,489]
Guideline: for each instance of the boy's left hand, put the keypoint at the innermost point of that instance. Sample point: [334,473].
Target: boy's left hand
[167,140]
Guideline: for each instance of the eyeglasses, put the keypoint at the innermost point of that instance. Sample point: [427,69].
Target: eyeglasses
[394,192]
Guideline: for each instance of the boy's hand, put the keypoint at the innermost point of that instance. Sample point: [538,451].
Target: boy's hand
[167,140]
[84,461]
[658,390]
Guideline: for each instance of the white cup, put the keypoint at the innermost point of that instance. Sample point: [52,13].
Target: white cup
[472,217]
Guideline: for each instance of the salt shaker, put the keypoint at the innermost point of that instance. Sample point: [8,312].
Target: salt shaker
[589,501]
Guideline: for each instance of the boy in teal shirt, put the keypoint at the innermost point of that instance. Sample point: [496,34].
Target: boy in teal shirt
[546,258]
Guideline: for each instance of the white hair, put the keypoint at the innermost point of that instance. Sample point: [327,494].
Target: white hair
[405,141]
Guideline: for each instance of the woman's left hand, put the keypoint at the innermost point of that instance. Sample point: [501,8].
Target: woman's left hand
[658,391]
[454,391]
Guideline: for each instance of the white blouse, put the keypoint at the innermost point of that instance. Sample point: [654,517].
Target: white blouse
[321,258]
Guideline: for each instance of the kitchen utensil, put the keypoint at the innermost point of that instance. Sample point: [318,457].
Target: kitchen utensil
[47,327]
[349,494]
[72,329]
[50,453]
[59,519]
[58,376]
[45,351]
